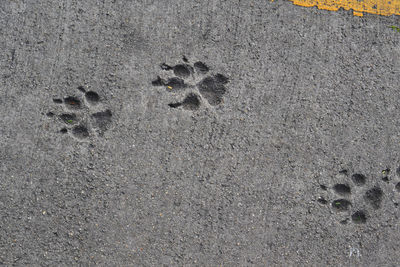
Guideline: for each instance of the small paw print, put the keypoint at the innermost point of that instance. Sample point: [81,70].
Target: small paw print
[82,115]
[351,199]
[210,87]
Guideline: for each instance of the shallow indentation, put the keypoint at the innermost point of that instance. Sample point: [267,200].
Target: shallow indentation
[201,67]
[158,82]
[359,217]
[341,204]
[102,119]
[212,89]
[175,83]
[398,187]
[175,105]
[323,187]
[191,102]
[164,66]
[57,100]
[374,197]
[221,78]
[49,114]
[358,179]
[82,89]
[182,70]
[342,189]
[80,132]
[92,97]
[68,118]
[102,115]
[72,102]
[322,200]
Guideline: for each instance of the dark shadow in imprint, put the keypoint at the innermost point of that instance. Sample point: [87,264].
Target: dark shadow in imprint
[200,67]
[172,84]
[322,200]
[341,204]
[191,102]
[175,83]
[398,187]
[164,66]
[183,70]
[359,179]
[68,118]
[72,102]
[398,171]
[212,88]
[374,197]
[221,78]
[359,217]
[342,189]
[175,105]
[158,82]
[80,132]
[92,97]
[57,100]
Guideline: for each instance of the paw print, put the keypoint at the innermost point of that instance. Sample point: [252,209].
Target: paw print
[351,198]
[196,78]
[82,115]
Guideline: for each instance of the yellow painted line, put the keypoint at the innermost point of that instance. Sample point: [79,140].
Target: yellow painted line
[379,7]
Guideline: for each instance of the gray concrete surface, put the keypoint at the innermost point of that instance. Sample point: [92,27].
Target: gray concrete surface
[245,178]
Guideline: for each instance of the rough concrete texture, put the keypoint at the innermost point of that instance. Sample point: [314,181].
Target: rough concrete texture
[248,163]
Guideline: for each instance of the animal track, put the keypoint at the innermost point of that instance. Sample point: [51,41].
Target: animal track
[398,187]
[191,102]
[358,179]
[358,204]
[374,197]
[342,189]
[81,115]
[211,88]
[341,204]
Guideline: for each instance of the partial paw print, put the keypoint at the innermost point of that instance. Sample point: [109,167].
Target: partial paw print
[82,115]
[352,200]
[197,79]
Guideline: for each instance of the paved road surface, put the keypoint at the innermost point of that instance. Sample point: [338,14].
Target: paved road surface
[197,133]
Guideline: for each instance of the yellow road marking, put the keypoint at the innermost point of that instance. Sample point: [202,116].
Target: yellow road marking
[379,7]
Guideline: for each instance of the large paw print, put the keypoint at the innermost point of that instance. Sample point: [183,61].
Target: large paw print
[350,197]
[82,115]
[210,87]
